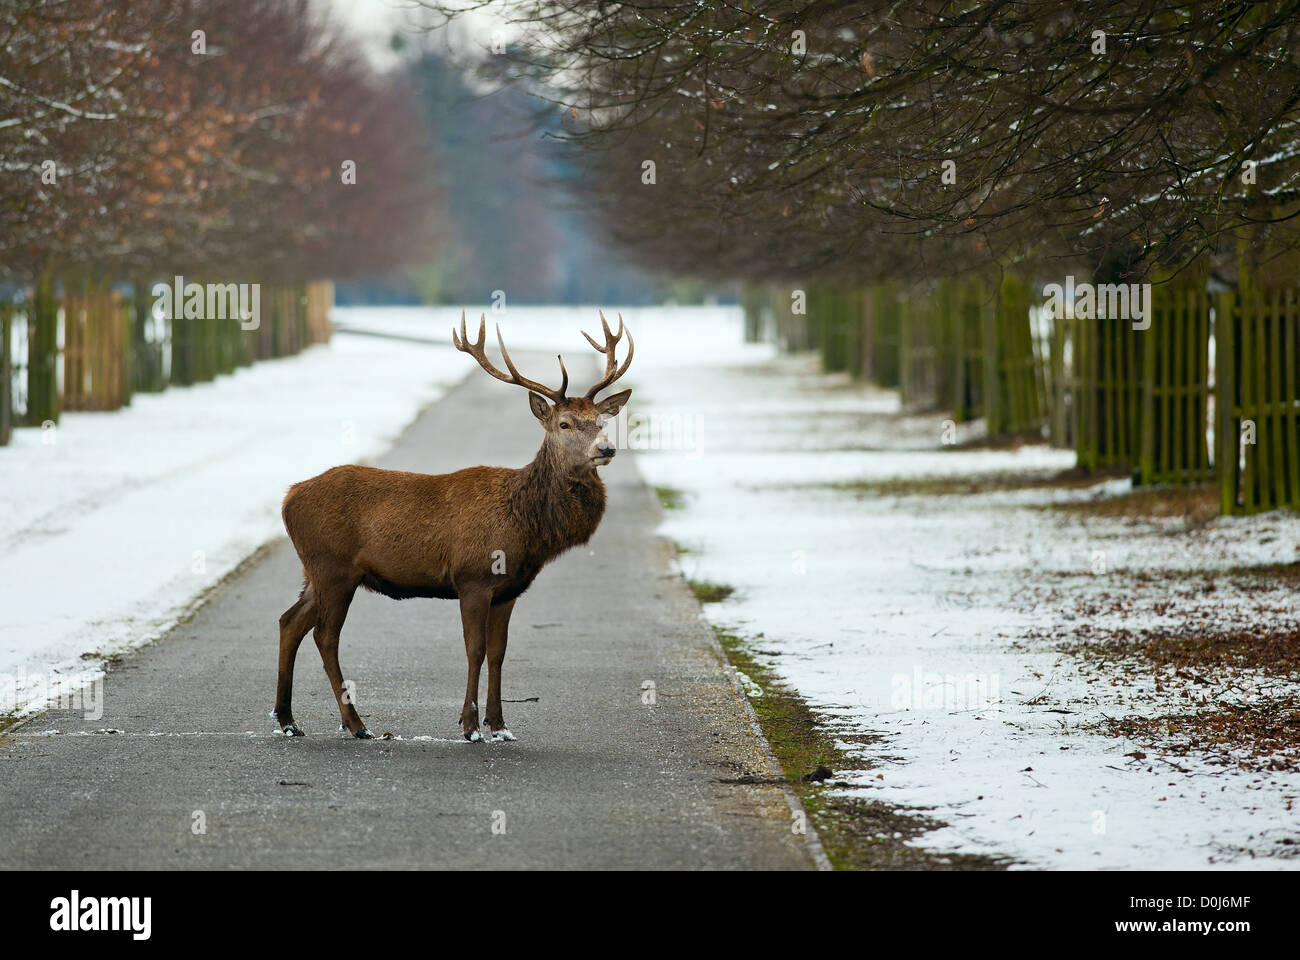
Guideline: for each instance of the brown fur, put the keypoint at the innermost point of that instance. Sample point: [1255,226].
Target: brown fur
[442,535]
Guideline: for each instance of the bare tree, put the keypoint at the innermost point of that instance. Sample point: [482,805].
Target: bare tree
[209,136]
[855,139]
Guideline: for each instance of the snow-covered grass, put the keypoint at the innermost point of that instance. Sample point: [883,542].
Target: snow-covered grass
[112,525]
[912,616]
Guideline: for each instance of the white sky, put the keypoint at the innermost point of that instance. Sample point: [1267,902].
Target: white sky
[374,21]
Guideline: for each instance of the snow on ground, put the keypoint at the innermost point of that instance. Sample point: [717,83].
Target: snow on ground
[906,615]
[910,617]
[112,525]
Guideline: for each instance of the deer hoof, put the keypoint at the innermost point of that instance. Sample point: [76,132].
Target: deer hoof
[292,731]
[502,736]
[364,734]
[473,736]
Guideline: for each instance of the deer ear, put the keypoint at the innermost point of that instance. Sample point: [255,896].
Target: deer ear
[541,409]
[612,404]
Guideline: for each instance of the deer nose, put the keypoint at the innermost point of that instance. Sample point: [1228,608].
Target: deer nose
[605,449]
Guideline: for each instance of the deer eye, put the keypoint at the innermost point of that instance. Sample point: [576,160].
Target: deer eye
[565,425]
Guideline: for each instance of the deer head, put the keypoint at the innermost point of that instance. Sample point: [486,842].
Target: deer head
[575,432]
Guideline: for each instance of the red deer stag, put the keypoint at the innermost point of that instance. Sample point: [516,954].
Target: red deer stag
[478,535]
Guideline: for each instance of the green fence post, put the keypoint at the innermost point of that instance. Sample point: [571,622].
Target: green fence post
[6,370]
[1158,332]
[994,406]
[1290,426]
[43,353]
[1225,447]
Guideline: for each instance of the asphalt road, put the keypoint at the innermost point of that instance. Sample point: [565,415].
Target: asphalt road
[597,779]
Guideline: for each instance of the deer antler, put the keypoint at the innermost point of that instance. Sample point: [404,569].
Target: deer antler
[611,342]
[475,350]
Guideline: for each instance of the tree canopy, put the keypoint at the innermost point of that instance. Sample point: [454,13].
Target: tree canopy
[864,139]
[228,137]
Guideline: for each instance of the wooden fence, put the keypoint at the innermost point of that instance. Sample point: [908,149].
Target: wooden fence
[84,345]
[6,369]
[1018,402]
[41,329]
[1143,394]
[974,351]
[1175,388]
[770,316]
[882,335]
[1104,378]
[1258,397]
[924,380]
[96,349]
[962,304]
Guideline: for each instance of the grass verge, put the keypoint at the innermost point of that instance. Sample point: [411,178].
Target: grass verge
[707,592]
[972,484]
[670,498]
[1196,504]
[858,833]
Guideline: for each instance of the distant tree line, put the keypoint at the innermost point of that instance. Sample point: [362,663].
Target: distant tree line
[508,225]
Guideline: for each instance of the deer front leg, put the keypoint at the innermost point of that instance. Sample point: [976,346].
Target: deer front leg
[474,606]
[294,625]
[498,626]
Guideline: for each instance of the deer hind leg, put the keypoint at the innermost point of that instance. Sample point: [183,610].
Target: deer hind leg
[333,610]
[294,624]
[474,606]
[498,625]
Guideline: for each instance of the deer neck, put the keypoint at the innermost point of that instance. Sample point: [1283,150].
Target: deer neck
[559,508]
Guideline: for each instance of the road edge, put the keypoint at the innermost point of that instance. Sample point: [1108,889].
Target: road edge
[776,772]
